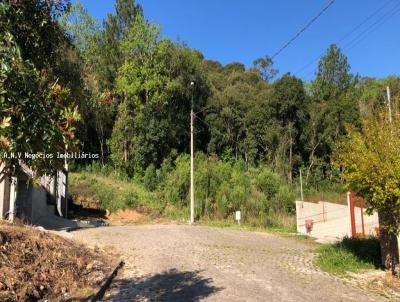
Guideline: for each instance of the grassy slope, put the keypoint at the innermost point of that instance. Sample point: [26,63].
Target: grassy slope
[112,193]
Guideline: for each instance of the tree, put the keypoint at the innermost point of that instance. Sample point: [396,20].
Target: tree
[288,105]
[37,114]
[333,78]
[334,104]
[370,163]
[97,103]
[265,69]
[35,29]
[236,112]
[110,56]
[81,28]
[154,85]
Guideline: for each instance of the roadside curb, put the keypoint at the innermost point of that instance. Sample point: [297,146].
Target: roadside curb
[106,283]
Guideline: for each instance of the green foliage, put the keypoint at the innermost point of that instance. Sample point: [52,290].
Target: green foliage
[110,192]
[333,78]
[150,178]
[81,28]
[238,102]
[130,88]
[334,106]
[370,162]
[264,67]
[222,188]
[155,84]
[288,106]
[139,83]
[35,29]
[37,114]
[349,255]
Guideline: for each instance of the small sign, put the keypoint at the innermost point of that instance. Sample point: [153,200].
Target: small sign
[237,215]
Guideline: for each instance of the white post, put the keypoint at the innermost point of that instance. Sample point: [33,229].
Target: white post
[191,161]
[389,103]
[13,198]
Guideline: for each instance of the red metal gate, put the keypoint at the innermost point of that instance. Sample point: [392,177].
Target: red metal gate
[355,201]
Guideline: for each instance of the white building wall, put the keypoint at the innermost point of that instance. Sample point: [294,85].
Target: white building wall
[331,221]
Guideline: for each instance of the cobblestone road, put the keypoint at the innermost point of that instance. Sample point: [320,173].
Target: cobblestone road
[196,263]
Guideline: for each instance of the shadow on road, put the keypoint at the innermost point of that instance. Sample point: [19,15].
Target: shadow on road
[171,285]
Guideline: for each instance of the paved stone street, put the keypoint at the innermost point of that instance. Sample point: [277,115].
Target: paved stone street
[197,263]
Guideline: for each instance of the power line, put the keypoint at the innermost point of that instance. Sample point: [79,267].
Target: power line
[363,22]
[346,35]
[382,20]
[302,30]
[386,17]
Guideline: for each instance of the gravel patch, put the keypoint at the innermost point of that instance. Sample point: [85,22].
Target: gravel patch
[198,263]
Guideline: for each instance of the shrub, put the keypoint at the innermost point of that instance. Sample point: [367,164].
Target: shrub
[150,178]
[223,187]
[109,193]
[176,183]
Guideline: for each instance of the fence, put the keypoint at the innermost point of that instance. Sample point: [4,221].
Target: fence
[329,222]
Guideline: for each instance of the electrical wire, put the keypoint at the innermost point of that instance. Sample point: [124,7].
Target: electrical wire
[290,41]
[359,38]
[372,27]
[346,35]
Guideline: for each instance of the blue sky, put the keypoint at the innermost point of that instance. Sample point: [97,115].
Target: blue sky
[241,31]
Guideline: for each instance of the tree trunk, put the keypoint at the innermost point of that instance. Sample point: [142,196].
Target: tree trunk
[125,151]
[389,244]
[102,152]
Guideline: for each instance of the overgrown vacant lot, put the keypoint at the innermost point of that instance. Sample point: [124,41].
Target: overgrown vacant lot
[100,192]
[35,265]
[258,196]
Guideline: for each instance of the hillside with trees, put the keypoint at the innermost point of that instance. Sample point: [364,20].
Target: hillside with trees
[119,88]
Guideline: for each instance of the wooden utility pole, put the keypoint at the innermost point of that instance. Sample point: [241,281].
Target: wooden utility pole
[301,186]
[389,103]
[191,159]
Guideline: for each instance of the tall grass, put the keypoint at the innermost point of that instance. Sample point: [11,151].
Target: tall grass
[222,187]
[109,192]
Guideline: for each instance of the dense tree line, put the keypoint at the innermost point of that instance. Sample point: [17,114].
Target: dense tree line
[132,89]
[137,98]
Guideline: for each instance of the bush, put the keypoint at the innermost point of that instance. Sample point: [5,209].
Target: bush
[174,187]
[150,178]
[128,200]
[223,187]
[108,192]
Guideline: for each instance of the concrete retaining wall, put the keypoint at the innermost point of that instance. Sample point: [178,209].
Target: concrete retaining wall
[4,192]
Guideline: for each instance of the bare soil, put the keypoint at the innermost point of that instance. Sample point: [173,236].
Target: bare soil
[128,215]
[37,265]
